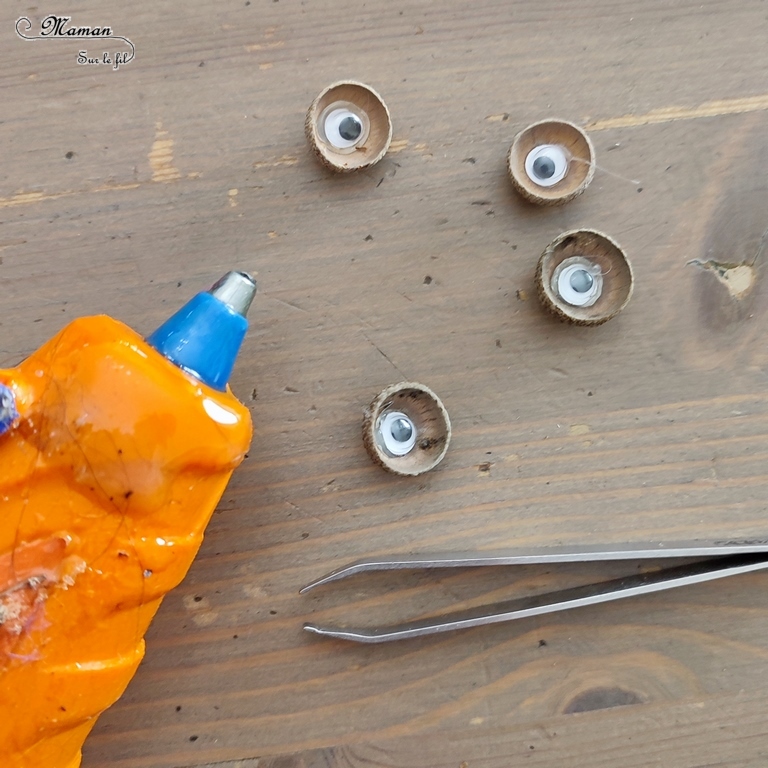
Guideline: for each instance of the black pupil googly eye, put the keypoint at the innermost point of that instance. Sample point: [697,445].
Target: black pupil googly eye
[401,430]
[350,128]
[581,281]
[544,167]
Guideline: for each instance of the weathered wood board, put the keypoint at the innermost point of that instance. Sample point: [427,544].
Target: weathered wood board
[127,191]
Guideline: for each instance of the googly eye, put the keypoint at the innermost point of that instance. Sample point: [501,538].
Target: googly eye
[580,283]
[396,433]
[546,164]
[344,126]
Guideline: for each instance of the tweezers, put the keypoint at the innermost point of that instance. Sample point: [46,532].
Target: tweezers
[721,559]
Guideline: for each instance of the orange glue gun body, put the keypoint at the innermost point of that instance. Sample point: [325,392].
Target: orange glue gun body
[113,465]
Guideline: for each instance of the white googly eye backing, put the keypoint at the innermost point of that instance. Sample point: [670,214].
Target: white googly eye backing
[343,126]
[578,281]
[546,165]
[396,433]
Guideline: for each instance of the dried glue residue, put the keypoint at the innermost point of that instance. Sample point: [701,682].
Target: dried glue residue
[17,605]
[21,612]
[73,566]
[21,605]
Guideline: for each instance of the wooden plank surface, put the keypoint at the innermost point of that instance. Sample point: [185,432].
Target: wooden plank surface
[126,191]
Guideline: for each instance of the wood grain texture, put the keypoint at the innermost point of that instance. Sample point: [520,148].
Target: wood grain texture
[125,192]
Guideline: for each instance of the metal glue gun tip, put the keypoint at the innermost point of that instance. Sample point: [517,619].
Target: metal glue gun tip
[236,290]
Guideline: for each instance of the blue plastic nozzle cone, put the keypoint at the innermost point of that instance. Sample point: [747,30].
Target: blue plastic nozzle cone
[204,336]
